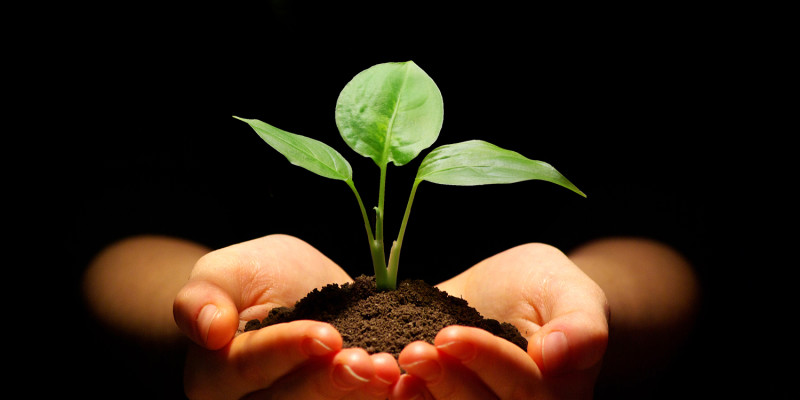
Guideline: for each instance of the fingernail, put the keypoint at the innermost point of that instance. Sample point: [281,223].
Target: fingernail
[555,351]
[382,380]
[427,370]
[315,347]
[345,377]
[206,317]
[457,349]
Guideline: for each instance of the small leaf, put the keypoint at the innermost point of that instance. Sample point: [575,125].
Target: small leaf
[390,112]
[305,152]
[476,162]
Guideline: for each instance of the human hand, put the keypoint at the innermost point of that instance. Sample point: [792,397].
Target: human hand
[302,359]
[562,313]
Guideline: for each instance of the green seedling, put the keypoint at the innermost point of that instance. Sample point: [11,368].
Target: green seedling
[390,113]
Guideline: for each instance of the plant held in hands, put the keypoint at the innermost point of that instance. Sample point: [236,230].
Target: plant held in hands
[390,113]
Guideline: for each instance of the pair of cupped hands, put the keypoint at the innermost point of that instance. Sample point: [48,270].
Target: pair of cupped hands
[560,310]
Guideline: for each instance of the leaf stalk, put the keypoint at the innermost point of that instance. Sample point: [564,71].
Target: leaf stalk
[394,254]
[375,246]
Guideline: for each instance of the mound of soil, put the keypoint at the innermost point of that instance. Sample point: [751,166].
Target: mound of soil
[386,321]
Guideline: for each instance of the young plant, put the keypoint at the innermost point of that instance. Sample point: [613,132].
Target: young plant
[390,113]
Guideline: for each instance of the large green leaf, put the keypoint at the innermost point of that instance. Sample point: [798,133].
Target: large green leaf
[476,162]
[390,112]
[305,152]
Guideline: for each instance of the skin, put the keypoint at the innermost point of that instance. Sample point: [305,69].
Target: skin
[654,296]
[143,310]
[561,305]
[302,359]
[555,305]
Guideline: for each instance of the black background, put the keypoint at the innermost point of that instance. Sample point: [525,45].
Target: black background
[659,115]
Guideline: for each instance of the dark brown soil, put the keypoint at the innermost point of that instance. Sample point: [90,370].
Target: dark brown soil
[386,321]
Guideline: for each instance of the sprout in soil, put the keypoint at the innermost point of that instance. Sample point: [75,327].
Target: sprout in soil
[390,113]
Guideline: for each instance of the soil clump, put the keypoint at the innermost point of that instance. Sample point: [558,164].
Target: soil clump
[386,321]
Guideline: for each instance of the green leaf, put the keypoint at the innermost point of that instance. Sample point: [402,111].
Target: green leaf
[476,162]
[390,112]
[305,152]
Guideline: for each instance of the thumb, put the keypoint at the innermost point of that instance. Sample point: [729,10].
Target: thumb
[206,313]
[572,342]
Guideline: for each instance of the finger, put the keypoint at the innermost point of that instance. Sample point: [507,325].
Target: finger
[444,377]
[282,267]
[568,305]
[571,340]
[323,378]
[245,281]
[409,387]
[386,375]
[502,366]
[255,360]
[206,314]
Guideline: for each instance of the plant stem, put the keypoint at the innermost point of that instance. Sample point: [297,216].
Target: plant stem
[394,254]
[375,246]
[382,279]
[381,204]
